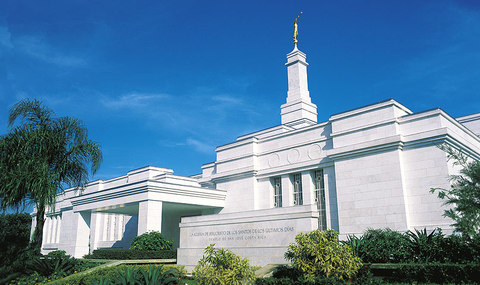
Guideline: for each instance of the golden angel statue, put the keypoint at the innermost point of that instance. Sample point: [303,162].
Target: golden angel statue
[295,29]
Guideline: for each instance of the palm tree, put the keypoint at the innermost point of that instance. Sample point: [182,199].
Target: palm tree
[41,156]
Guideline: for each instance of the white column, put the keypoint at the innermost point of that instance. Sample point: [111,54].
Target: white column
[46,231]
[59,227]
[82,234]
[111,227]
[308,188]
[94,230]
[53,232]
[104,227]
[287,191]
[149,216]
[121,218]
[331,198]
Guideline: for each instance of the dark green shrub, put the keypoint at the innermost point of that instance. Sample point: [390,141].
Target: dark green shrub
[384,246]
[19,266]
[58,253]
[319,253]
[220,266]
[151,241]
[436,273]
[286,271]
[14,238]
[131,254]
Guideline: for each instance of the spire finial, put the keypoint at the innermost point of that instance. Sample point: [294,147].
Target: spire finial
[295,29]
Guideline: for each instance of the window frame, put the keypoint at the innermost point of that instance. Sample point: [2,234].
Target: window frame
[277,191]
[297,189]
[320,198]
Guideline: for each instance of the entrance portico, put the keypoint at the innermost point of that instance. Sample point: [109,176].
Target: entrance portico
[111,213]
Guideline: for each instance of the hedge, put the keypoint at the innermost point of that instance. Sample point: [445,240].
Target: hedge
[123,254]
[428,272]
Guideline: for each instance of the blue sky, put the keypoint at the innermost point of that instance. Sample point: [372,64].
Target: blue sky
[164,82]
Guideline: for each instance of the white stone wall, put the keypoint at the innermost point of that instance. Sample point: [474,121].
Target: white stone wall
[425,168]
[262,236]
[370,193]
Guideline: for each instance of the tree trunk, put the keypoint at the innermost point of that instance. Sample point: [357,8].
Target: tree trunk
[38,232]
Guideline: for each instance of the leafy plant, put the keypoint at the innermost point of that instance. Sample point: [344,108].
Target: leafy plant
[127,276]
[356,244]
[426,247]
[158,276]
[318,253]
[47,266]
[220,266]
[464,193]
[152,240]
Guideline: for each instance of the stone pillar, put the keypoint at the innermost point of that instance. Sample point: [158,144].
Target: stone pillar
[287,191]
[308,188]
[94,231]
[299,109]
[82,235]
[149,216]
[331,198]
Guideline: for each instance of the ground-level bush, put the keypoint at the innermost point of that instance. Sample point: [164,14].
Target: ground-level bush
[318,253]
[123,254]
[220,266]
[151,241]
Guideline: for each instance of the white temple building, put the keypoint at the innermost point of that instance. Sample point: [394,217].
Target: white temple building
[371,167]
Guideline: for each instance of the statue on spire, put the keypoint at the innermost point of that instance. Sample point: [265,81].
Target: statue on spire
[295,29]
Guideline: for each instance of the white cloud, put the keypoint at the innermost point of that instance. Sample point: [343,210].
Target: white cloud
[134,100]
[227,99]
[200,146]
[5,38]
[37,47]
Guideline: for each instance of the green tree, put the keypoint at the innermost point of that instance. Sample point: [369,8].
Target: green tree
[464,193]
[41,156]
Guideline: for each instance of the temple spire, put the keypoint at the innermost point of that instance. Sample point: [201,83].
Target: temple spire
[299,110]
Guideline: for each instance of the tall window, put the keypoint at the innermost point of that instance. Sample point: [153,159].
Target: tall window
[277,192]
[297,189]
[320,199]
